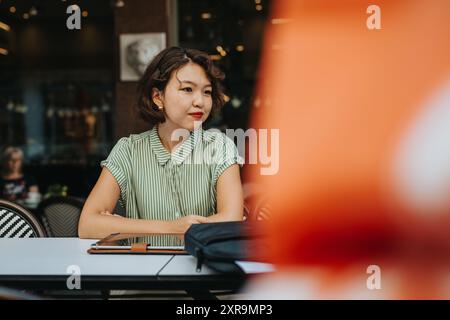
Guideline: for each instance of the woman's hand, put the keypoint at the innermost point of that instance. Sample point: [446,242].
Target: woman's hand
[107,213]
[182,224]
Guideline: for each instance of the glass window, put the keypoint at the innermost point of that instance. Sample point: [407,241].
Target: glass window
[57,89]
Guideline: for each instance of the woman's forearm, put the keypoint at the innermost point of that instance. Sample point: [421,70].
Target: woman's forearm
[224,216]
[98,226]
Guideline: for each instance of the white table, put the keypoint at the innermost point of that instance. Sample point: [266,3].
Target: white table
[185,265]
[54,256]
[47,263]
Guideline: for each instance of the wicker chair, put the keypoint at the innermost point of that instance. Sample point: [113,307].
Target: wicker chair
[14,294]
[18,222]
[60,216]
[256,203]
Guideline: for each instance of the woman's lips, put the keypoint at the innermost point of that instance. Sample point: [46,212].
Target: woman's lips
[196,115]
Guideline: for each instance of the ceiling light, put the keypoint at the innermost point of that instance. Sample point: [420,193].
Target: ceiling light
[33,11]
[119,3]
[4,26]
[280,20]
[206,15]
[215,57]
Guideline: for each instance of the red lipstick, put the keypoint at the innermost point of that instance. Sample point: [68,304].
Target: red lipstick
[196,115]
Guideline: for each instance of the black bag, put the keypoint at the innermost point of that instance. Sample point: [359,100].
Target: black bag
[220,244]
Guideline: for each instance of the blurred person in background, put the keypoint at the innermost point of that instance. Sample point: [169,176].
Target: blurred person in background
[363,114]
[14,185]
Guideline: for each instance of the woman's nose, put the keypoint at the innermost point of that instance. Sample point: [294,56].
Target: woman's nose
[198,100]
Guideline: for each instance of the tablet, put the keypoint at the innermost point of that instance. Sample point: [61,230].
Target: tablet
[139,243]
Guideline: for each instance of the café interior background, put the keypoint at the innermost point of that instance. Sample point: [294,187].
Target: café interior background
[61,96]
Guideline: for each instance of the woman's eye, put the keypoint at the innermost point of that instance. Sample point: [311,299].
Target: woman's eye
[208,92]
[187,89]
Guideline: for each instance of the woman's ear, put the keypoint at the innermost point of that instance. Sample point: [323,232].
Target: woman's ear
[157,98]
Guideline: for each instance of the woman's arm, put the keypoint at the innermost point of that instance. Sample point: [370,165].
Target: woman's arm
[230,199]
[94,224]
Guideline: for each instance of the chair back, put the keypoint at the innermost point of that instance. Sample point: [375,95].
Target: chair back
[257,208]
[256,203]
[262,209]
[15,294]
[60,216]
[18,222]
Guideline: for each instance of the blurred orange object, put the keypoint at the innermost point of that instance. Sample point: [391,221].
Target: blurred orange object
[364,119]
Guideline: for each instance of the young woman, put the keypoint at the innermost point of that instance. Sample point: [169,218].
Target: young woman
[14,185]
[175,174]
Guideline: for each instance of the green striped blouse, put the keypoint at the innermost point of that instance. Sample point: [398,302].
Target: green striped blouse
[158,185]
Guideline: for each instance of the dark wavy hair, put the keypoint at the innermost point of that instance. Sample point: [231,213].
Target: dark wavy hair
[159,71]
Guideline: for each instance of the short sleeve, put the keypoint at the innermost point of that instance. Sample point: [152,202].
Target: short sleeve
[118,163]
[227,155]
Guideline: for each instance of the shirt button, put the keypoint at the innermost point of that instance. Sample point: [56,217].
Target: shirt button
[177,214]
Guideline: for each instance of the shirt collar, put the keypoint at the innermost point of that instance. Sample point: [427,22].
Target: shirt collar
[181,152]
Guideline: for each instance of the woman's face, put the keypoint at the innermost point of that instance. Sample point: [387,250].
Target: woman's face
[187,97]
[14,163]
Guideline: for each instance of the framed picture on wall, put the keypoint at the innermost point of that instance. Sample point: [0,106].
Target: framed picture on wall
[136,52]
